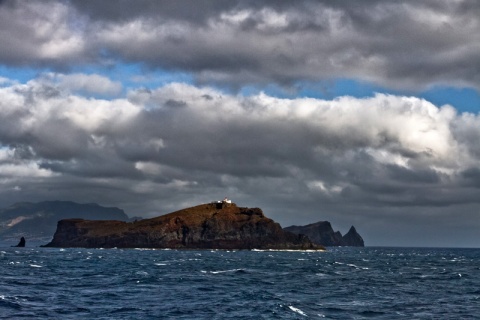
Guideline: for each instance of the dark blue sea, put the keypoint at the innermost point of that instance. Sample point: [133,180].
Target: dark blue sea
[342,283]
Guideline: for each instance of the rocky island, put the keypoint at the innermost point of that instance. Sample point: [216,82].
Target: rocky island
[217,225]
[322,233]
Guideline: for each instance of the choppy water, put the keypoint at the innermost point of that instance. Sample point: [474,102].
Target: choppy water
[343,283]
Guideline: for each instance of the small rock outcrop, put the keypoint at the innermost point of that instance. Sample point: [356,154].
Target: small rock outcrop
[21,244]
[322,233]
[353,239]
[207,226]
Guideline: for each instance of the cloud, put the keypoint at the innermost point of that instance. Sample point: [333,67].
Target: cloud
[400,45]
[6,82]
[206,131]
[177,145]
[90,84]
[40,34]
[384,163]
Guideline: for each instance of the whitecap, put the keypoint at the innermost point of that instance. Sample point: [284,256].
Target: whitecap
[286,250]
[224,271]
[297,311]
[35,266]
[160,264]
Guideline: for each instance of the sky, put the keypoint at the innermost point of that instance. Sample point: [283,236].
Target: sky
[361,113]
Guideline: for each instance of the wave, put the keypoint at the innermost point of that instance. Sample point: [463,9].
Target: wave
[296,310]
[239,270]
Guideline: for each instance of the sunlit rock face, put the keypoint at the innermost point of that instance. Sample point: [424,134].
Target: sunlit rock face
[207,226]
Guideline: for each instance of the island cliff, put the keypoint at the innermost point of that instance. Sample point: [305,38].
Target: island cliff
[322,233]
[207,226]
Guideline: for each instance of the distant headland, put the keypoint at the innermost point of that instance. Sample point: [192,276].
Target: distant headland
[37,221]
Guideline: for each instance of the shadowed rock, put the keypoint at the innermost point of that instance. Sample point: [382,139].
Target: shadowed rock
[352,238]
[322,233]
[21,244]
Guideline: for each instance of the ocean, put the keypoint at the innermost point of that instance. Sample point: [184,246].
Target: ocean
[341,283]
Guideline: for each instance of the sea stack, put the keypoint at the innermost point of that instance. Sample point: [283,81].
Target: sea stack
[216,225]
[352,238]
[22,242]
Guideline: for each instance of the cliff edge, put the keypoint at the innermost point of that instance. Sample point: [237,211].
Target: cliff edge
[207,226]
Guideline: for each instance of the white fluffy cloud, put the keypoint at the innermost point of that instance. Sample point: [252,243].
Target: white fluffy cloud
[235,135]
[180,145]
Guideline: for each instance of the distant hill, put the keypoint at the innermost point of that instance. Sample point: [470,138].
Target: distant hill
[322,233]
[38,221]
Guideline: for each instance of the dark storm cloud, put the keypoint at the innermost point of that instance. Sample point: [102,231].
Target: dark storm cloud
[390,43]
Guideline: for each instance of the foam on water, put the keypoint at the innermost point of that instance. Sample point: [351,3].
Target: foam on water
[225,271]
[296,310]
